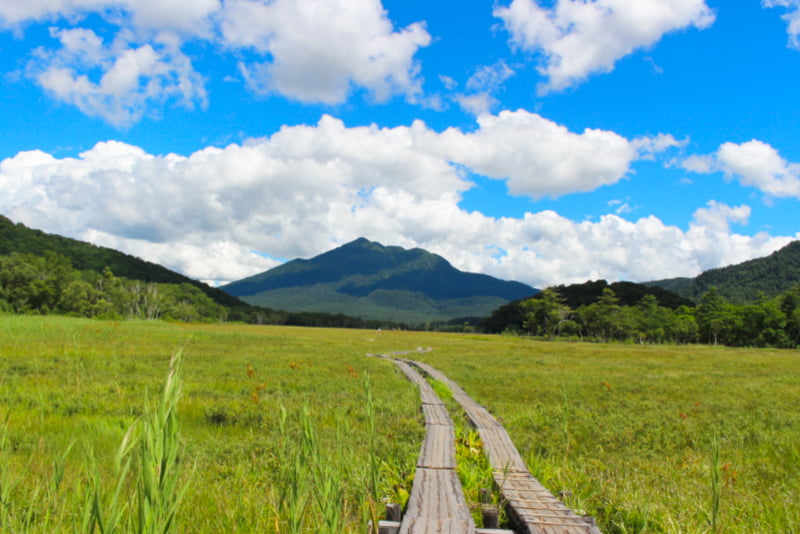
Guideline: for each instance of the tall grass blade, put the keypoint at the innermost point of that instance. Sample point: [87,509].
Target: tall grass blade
[715,485]
[159,494]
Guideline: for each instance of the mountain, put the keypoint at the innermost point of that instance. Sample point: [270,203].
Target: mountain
[87,257]
[742,283]
[366,279]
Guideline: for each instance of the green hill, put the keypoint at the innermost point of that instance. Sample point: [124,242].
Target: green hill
[87,257]
[743,283]
[369,280]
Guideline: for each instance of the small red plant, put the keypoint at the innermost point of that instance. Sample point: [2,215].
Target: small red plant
[729,474]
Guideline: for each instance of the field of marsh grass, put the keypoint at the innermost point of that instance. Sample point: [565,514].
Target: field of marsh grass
[269,419]
[648,438]
[295,430]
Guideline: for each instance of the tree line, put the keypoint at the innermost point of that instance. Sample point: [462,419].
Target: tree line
[48,284]
[768,322]
[595,311]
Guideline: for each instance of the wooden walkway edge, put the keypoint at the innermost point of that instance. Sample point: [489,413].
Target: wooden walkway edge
[436,503]
[533,509]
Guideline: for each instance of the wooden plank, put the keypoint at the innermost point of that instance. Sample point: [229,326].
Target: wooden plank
[438,450]
[410,373]
[480,416]
[426,392]
[534,509]
[503,455]
[436,414]
[436,505]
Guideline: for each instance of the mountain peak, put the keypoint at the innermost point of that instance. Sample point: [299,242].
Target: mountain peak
[361,241]
[364,270]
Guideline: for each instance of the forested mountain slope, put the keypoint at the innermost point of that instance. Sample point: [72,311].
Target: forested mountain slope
[366,279]
[745,282]
[87,257]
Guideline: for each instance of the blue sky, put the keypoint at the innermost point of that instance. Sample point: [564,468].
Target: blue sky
[548,142]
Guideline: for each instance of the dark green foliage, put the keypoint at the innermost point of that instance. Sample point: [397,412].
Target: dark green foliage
[367,279]
[512,316]
[507,318]
[87,257]
[754,304]
[743,283]
[771,322]
[48,284]
[628,294]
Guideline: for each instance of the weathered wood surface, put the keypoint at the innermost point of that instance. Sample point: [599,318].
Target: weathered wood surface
[436,504]
[426,393]
[532,507]
[438,449]
[436,414]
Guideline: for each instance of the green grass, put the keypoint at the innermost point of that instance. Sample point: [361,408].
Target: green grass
[627,433]
[644,438]
[257,403]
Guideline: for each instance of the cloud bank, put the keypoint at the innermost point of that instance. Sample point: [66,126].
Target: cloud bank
[225,213]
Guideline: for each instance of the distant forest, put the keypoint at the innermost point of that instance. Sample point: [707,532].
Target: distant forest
[594,311]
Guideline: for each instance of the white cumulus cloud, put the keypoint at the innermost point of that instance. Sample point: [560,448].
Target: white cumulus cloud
[119,81]
[539,157]
[189,17]
[319,50]
[718,216]
[485,82]
[792,19]
[578,38]
[754,164]
[222,213]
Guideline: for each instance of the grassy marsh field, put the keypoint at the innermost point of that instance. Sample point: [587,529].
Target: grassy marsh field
[277,423]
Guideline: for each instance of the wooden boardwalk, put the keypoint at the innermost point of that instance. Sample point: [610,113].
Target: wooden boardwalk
[436,503]
[533,509]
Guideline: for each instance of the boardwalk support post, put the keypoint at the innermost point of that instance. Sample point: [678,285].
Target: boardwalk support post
[385,527]
[393,511]
[490,517]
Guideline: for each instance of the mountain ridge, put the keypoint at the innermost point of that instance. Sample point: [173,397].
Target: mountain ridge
[367,276]
[743,282]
